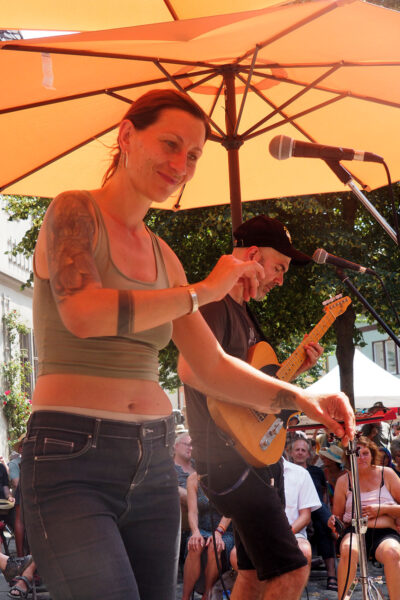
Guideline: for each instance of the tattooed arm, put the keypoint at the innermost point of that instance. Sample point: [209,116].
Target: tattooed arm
[89,310]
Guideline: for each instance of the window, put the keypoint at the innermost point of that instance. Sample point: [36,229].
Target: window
[387,355]
[28,356]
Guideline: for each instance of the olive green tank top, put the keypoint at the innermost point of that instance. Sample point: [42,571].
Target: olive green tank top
[133,356]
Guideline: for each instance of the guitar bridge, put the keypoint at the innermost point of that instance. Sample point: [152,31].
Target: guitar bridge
[271,433]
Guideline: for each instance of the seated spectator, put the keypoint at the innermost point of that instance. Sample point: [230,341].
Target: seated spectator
[184,467]
[18,572]
[14,470]
[378,432]
[183,463]
[395,430]
[331,457]
[395,452]
[7,511]
[203,520]
[380,498]
[300,453]
[301,499]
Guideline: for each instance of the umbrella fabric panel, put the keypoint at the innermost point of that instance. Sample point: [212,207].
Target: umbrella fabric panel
[304,86]
[75,15]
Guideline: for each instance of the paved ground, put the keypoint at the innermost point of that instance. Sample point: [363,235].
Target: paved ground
[315,589]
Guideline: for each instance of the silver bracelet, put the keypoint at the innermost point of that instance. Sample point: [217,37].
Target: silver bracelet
[194,298]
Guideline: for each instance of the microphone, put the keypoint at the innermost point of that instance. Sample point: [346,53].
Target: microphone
[282,147]
[321,257]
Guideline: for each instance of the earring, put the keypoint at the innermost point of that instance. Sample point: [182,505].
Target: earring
[126,157]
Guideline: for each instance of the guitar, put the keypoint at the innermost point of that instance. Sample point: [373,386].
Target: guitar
[259,437]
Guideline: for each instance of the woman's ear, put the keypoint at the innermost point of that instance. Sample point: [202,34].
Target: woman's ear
[125,130]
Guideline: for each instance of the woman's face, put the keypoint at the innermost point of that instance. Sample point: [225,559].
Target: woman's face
[364,457]
[162,157]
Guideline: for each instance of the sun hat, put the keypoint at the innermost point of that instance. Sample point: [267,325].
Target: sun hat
[332,452]
[268,233]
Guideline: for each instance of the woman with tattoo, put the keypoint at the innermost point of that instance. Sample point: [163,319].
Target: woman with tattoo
[98,480]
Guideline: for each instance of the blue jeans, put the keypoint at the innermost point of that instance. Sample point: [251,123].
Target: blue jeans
[101,506]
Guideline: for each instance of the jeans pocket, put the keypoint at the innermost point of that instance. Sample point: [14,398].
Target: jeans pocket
[58,444]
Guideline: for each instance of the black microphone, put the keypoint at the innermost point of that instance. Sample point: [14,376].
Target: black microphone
[321,257]
[282,147]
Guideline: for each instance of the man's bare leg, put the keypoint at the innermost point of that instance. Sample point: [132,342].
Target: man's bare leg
[288,586]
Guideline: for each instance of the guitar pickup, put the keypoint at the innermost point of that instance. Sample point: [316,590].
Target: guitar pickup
[270,434]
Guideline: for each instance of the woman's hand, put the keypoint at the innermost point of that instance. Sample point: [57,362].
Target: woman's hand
[196,541]
[228,272]
[219,542]
[328,409]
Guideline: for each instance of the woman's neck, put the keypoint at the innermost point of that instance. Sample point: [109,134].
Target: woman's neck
[122,203]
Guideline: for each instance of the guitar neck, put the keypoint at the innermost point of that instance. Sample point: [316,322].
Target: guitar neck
[295,360]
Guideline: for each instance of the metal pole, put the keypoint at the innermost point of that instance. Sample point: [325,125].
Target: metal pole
[232,145]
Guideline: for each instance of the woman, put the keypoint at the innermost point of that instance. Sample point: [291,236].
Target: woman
[202,521]
[380,497]
[98,482]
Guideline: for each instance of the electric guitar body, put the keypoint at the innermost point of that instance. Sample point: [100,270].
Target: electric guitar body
[261,437]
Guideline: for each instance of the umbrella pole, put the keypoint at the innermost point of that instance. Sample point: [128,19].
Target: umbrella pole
[232,144]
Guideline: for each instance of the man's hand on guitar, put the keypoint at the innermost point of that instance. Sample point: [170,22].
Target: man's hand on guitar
[313,352]
[329,409]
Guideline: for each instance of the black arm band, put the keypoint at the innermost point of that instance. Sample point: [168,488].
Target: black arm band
[126,312]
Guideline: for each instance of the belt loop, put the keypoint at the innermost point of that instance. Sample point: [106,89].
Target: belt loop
[166,432]
[96,431]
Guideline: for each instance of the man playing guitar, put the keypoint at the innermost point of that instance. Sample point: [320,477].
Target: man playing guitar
[270,562]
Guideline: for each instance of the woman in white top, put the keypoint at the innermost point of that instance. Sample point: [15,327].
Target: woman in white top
[380,498]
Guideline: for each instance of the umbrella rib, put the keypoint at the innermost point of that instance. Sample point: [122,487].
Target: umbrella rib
[109,91]
[296,116]
[281,112]
[181,89]
[92,54]
[171,10]
[291,28]
[250,75]
[311,85]
[55,158]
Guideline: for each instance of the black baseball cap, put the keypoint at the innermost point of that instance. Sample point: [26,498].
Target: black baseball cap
[268,233]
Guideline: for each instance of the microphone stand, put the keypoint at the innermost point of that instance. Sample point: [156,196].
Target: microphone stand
[360,524]
[346,280]
[345,177]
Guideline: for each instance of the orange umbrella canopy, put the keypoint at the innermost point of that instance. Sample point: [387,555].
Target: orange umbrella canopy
[324,71]
[91,15]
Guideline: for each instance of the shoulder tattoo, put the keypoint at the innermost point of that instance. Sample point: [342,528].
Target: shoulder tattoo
[70,234]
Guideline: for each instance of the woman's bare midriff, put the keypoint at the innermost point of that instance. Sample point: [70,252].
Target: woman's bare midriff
[133,397]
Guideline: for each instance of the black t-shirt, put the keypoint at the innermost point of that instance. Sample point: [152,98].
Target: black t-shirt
[236,331]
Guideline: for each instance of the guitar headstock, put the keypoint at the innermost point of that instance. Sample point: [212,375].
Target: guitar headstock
[337,305]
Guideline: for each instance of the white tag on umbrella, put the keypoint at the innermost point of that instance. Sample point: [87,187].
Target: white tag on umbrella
[47,67]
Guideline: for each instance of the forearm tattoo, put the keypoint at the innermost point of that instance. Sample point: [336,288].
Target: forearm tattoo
[70,233]
[283,399]
[126,312]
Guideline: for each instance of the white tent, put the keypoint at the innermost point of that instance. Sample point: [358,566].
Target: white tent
[371,383]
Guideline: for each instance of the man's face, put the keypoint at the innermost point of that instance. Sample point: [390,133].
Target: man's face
[300,452]
[183,448]
[275,266]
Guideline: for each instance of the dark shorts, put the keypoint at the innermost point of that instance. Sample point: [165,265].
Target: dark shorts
[373,538]
[263,537]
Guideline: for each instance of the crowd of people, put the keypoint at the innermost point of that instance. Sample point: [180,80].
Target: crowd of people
[318,491]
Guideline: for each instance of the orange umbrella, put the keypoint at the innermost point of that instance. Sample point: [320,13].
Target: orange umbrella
[91,15]
[321,71]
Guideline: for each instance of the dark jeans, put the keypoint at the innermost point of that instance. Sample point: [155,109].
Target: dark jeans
[101,506]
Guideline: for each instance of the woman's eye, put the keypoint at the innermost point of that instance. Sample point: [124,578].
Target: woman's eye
[170,143]
[192,157]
